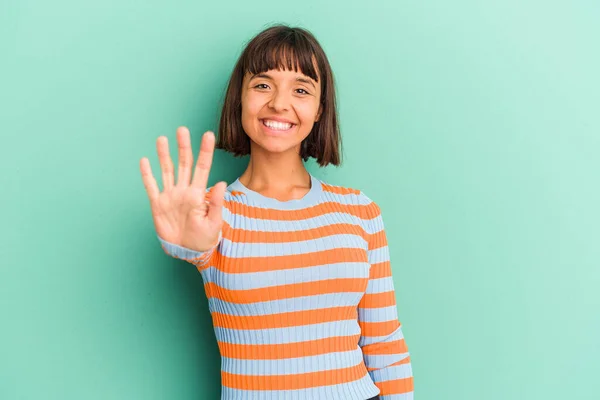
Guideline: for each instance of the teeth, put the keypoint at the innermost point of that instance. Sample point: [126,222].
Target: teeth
[277,125]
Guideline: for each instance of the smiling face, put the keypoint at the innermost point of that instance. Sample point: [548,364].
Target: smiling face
[279,108]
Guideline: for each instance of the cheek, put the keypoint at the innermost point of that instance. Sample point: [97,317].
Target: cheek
[253,101]
[250,111]
[307,112]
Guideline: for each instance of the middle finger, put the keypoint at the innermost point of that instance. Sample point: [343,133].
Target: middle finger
[186,159]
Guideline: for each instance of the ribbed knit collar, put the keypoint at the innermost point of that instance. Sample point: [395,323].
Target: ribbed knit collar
[309,198]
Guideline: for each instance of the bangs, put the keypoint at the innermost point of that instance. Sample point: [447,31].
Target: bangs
[292,52]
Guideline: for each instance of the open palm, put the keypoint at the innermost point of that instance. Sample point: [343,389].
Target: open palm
[185,213]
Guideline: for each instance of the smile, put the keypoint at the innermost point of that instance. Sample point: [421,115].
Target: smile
[277,126]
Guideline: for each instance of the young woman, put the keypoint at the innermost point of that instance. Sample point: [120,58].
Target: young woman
[296,271]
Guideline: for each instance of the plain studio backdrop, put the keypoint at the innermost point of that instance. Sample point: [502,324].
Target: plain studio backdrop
[475,126]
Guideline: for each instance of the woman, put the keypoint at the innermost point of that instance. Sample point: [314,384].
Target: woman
[296,270]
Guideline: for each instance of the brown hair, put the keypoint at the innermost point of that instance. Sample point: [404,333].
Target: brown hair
[283,47]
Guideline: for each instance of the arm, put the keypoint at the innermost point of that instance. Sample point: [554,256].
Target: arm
[384,350]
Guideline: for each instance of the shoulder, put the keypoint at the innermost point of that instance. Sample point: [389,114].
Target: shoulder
[365,205]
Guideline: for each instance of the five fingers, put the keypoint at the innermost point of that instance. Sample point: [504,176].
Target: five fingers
[201,172]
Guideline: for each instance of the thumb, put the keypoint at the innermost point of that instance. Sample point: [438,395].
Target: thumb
[215,202]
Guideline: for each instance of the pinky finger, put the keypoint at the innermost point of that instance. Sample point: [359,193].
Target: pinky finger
[148,179]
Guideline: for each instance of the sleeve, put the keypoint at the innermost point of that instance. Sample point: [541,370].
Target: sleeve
[199,258]
[382,342]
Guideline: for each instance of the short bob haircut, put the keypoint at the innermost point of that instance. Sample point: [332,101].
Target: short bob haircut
[283,47]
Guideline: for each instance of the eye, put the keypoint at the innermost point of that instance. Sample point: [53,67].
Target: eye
[261,84]
[305,92]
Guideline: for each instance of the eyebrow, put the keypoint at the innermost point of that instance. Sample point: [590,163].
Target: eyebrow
[298,79]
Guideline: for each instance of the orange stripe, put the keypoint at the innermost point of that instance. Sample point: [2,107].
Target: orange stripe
[289,350]
[338,189]
[249,236]
[396,386]
[293,381]
[287,319]
[364,211]
[385,348]
[403,361]
[378,328]
[378,300]
[245,296]
[380,270]
[377,240]
[275,263]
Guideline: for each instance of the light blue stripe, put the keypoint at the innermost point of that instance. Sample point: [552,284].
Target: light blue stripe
[257,199]
[403,396]
[343,199]
[391,373]
[361,389]
[299,365]
[380,285]
[183,252]
[382,314]
[378,255]
[238,250]
[288,334]
[302,303]
[366,340]
[383,360]
[397,334]
[255,280]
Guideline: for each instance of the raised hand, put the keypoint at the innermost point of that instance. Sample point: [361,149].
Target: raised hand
[183,214]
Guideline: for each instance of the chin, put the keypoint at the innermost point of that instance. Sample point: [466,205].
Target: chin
[277,147]
[274,145]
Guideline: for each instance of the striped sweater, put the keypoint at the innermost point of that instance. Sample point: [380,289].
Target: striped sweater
[302,298]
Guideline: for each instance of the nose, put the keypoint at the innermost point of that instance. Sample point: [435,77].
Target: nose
[279,101]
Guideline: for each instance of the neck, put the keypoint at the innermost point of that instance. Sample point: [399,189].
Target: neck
[279,174]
